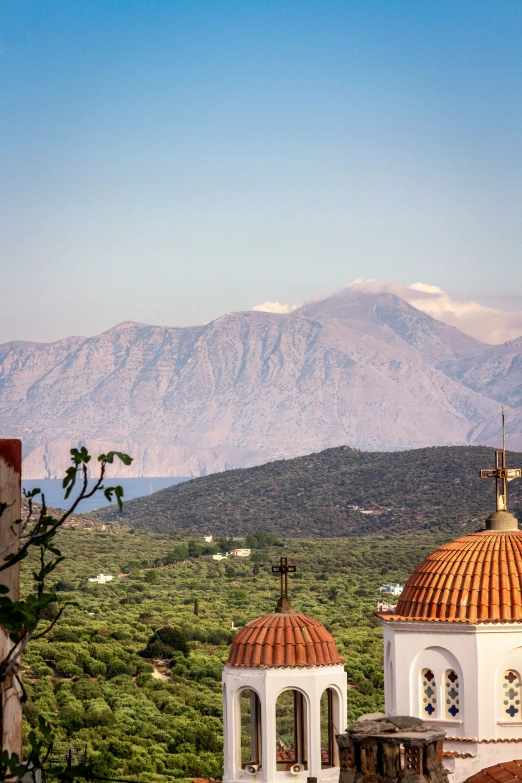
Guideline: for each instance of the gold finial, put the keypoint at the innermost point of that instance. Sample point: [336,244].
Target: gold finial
[502,474]
[284,605]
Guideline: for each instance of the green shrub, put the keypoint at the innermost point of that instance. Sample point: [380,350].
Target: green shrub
[64,586]
[165,642]
[72,715]
[85,689]
[66,668]
[41,670]
[65,634]
[95,668]
[121,635]
[98,713]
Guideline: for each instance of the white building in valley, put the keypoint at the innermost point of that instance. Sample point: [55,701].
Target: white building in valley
[453,644]
[101,579]
[395,590]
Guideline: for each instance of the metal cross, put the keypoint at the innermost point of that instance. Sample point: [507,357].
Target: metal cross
[501,473]
[284,569]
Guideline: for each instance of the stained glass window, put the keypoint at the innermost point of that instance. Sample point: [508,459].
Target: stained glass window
[451,694]
[511,695]
[429,693]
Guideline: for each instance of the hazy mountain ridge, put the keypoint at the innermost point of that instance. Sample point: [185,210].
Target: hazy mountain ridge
[390,318]
[498,374]
[361,369]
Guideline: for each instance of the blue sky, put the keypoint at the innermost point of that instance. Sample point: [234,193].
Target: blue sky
[168,161]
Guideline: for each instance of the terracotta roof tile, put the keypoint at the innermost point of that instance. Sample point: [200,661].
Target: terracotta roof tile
[500,740]
[256,655]
[278,657]
[513,766]
[283,640]
[289,634]
[267,655]
[507,772]
[454,754]
[314,637]
[270,636]
[476,578]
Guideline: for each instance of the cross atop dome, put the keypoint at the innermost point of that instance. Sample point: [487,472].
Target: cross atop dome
[284,605]
[502,474]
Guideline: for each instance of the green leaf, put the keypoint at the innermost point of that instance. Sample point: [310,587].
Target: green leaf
[109,458]
[39,576]
[32,492]
[45,728]
[81,456]
[33,741]
[12,764]
[4,506]
[69,480]
[117,492]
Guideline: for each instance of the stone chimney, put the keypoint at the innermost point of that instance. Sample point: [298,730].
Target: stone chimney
[380,749]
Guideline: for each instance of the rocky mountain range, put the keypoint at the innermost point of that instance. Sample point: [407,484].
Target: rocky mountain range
[367,370]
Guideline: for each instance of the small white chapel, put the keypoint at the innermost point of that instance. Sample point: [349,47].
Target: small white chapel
[284,698]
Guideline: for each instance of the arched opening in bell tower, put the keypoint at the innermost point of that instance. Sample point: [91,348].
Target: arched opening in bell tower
[291,730]
[330,719]
[250,728]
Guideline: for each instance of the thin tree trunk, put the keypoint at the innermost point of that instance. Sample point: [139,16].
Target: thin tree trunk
[10,493]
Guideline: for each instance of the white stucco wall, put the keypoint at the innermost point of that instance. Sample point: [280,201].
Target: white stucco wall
[480,654]
[269,684]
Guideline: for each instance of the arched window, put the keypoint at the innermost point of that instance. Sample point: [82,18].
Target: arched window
[388,676]
[511,695]
[329,717]
[428,693]
[291,730]
[225,717]
[250,727]
[392,689]
[451,694]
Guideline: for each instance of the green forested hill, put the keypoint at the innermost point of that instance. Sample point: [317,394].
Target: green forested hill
[337,492]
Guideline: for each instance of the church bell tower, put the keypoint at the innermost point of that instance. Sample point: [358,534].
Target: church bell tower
[284,698]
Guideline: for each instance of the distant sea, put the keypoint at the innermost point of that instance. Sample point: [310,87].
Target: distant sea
[132,488]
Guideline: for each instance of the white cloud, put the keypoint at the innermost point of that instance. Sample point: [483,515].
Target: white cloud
[274,307]
[490,324]
[427,289]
